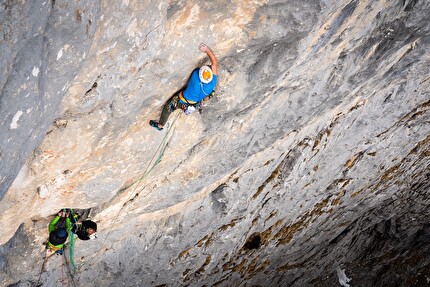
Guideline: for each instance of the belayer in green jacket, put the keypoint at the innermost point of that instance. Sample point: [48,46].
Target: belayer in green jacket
[58,230]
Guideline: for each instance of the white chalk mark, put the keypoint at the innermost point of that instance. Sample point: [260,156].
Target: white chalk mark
[35,71]
[60,54]
[14,124]
[343,280]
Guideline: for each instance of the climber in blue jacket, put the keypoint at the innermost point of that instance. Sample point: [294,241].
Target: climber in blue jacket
[199,88]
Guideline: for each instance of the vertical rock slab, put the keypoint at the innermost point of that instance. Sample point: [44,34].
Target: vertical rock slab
[44,44]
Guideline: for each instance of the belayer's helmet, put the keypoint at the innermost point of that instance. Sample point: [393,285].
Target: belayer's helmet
[61,233]
[205,74]
[57,237]
[89,224]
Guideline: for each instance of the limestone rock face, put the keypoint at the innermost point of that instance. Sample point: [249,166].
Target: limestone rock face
[309,167]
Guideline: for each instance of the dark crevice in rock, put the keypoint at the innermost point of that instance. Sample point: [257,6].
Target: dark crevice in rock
[253,242]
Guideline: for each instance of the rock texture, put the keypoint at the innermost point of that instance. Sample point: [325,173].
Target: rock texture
[310,166]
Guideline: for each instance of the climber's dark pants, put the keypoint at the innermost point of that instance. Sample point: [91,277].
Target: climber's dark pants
[169,107]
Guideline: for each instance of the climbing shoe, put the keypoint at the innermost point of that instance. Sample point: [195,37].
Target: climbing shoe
[154,124]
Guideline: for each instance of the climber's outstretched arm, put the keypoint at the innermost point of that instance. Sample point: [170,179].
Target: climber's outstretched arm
[204,48]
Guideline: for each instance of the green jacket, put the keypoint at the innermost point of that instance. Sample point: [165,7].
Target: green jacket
[51,227]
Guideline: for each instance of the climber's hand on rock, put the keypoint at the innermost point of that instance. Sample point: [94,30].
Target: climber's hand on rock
[203,47]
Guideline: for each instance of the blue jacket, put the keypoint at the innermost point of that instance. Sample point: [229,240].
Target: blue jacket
[196,90]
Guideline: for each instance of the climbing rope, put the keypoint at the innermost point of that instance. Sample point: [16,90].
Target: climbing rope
[160,151]
[72,240]
[152,163]
[69,270]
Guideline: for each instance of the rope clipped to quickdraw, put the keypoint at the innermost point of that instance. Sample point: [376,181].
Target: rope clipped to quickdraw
[152,163]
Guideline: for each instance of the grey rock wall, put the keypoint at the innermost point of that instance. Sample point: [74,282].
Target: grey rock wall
[42,49]
[310,167]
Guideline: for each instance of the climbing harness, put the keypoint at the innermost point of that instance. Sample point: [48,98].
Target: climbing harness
[188,107]
[184,100]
